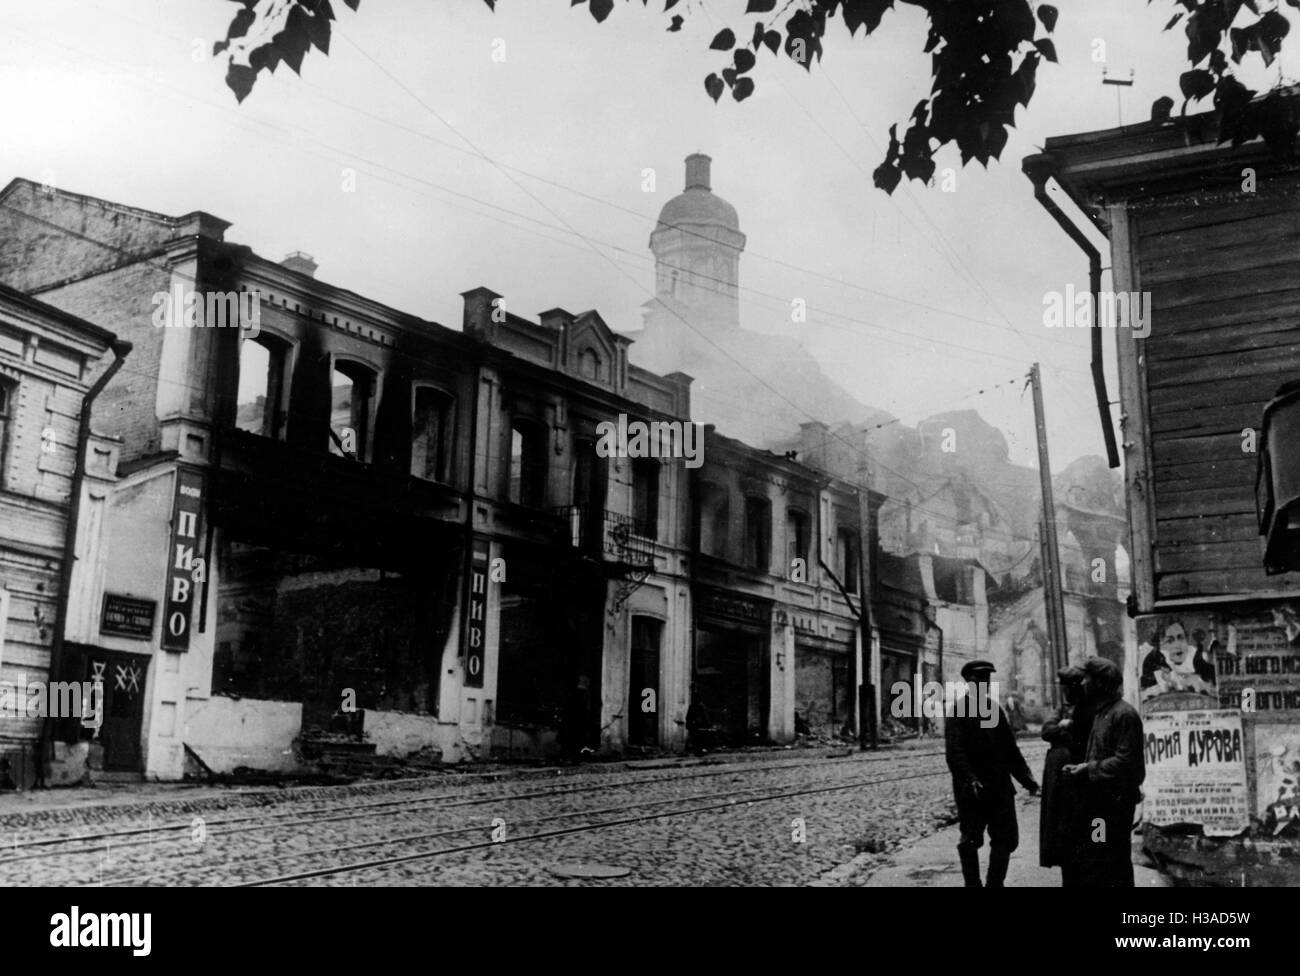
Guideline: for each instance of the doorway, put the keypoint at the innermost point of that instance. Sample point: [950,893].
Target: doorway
[643,683]
[732,681]
[123,680]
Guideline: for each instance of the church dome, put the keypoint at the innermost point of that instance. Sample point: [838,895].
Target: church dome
[697,204]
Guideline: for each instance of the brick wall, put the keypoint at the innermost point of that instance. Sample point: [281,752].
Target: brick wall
[46,238]
[122,302]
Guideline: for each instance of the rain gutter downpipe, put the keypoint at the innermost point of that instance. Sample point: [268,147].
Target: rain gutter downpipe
[1040,170]
[121,349]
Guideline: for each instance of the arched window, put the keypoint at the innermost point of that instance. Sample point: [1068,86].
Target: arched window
[796,540]
[846,558]
[432,432]
[715,519]
[645,497]
[589,364]
[352,393]
[758,533]
[7,391]
[259,402]
[527,463]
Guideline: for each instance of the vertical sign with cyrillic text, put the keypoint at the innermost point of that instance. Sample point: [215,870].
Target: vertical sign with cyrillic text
[476,614]
[187,527]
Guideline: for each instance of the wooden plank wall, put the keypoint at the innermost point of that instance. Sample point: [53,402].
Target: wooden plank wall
[1224,279]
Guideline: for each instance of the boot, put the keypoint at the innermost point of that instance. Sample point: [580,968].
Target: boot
[970,866]
[999,859]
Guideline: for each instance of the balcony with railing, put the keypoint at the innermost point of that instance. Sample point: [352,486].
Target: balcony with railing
[609,536]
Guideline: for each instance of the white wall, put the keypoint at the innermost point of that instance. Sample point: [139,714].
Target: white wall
[229,732]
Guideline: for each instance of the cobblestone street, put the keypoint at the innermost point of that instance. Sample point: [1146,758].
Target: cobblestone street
[809,818]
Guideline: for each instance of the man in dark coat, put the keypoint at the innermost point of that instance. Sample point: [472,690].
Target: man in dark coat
[1111,773]
[983,757]
[1062,826]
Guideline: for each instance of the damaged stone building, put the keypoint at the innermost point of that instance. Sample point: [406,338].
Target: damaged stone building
[331,519]
[779,584]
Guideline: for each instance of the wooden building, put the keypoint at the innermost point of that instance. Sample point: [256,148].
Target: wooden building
[1204,250]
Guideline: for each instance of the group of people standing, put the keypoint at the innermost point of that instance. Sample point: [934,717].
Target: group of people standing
[1091,779]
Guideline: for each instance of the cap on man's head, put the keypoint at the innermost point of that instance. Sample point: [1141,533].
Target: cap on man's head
[1105,673]
[975,670]
[1070,675]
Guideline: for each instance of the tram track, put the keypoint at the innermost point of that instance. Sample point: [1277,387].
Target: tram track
[379,863]
[146,835]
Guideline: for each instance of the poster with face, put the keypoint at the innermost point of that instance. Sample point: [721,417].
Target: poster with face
[1277,777]
[1177,653]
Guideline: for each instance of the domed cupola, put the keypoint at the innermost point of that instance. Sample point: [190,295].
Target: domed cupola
[697,244]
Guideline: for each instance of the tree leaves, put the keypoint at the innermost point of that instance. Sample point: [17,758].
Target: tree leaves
[724,41]
[306,24]
[868,13]
[239,79]
[983,54]
[1196,84]
[1204,31]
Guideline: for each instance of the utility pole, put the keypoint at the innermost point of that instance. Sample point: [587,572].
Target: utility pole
[1053,598]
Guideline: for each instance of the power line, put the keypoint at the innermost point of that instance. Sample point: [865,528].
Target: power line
[589,242]
[646,218]
[597,250]
[586,239]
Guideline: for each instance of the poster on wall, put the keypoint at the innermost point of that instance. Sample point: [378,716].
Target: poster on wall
[1196,771]
[1255,654]
[1262,658]
[1177,655]
[1277,777]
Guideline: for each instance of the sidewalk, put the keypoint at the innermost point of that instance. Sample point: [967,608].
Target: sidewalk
[932,862]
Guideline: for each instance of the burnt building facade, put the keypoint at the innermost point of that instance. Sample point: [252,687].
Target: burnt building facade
[336,521]
[779,579]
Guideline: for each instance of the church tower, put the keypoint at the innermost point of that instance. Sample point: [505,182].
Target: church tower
[696,245]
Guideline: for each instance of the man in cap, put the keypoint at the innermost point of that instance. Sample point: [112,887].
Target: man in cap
[1113,769]
[983,757]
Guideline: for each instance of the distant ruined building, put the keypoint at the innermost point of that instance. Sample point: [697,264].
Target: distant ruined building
[964,522]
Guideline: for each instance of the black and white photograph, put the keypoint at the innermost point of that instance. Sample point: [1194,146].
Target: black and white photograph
[505,444]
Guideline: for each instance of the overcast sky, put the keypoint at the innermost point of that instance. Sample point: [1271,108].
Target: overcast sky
[916,301]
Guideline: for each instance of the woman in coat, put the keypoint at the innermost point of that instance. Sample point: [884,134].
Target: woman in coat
[1062,826]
